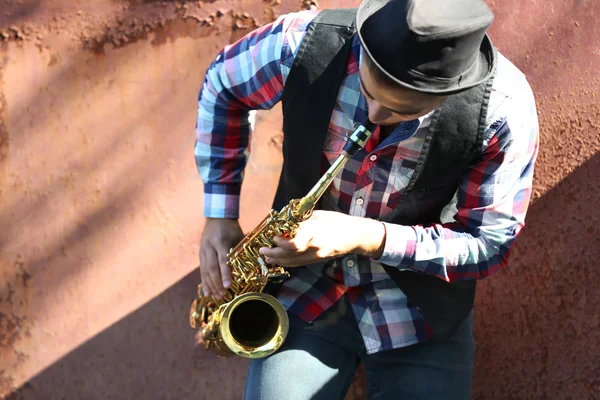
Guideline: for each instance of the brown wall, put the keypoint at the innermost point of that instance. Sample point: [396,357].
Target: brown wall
[100,202]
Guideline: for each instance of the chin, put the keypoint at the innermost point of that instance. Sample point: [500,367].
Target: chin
[387,123]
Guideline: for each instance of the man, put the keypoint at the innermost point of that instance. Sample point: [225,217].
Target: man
[384,271]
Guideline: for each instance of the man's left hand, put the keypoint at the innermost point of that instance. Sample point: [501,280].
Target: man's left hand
[326,235]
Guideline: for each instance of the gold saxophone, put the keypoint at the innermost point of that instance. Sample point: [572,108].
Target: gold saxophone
[246,321]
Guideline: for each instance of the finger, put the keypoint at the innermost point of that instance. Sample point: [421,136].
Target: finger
[224,267]
[290,258]
[285,243]
[278,252]
[214,272]
[295,260]
[201,259]
[206,281]
[206,284]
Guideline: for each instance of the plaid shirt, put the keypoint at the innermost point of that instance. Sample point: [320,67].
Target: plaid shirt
[478,226]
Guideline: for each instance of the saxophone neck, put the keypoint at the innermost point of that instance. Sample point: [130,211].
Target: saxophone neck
[355,142]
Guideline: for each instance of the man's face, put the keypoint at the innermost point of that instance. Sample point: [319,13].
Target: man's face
[391,104]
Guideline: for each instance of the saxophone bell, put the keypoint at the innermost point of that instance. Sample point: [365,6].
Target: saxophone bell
[252,325]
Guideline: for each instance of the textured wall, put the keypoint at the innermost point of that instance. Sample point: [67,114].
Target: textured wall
[537,321]
[100,203]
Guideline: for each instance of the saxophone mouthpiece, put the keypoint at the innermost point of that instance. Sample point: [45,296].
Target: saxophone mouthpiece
[369,125]
[360,136]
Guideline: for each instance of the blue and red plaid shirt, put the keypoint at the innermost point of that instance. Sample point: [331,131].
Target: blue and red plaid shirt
[478,226]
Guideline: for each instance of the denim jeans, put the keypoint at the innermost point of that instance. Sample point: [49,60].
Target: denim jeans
[318,361]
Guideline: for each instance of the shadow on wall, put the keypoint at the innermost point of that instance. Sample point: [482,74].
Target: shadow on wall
[535,324]
[150,354]
[537,320]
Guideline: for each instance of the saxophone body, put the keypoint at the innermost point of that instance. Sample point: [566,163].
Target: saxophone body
[248,322]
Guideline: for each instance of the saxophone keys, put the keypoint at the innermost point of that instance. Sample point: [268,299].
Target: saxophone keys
[196,314]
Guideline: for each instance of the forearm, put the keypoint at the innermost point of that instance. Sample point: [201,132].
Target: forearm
[447,251]
[243,77]
[491,205]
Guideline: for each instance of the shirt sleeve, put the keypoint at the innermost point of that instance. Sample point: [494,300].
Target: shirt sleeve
[489,207]
[245,76]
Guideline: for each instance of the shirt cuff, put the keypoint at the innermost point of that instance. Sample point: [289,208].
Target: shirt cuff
[222,200]
[400,244]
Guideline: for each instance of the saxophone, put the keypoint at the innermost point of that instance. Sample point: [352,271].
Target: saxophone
[247,322]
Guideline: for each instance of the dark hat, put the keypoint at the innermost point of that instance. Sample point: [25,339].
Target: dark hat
[431,46]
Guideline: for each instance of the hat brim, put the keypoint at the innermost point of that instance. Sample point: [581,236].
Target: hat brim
[480,71]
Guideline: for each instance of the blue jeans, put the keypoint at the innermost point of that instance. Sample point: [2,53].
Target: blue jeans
[318,361]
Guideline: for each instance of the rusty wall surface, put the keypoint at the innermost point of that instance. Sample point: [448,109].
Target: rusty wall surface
[100,202]
[538,320]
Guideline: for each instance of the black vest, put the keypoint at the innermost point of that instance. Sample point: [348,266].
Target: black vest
[452,145]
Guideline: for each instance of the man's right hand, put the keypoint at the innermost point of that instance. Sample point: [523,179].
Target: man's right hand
[219,235]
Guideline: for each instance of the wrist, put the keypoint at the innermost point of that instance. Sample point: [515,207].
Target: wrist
[371,238]
[221,221]
[221,200]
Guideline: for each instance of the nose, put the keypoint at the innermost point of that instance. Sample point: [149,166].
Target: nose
[377,113]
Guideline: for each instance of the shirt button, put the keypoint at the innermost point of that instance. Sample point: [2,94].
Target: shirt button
[373,157]
[350,263]
[360,201]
